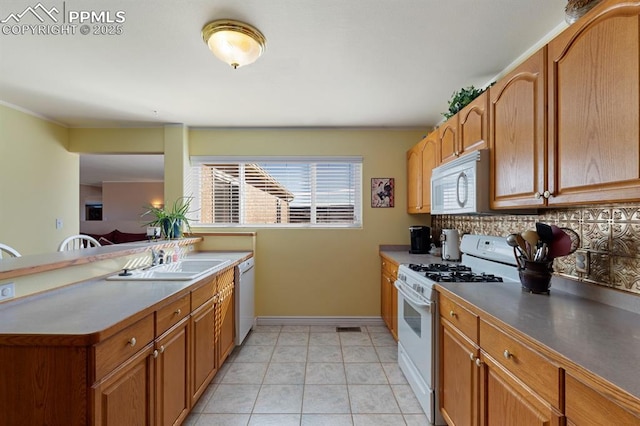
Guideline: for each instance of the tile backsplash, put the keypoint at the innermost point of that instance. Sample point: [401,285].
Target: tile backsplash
[609,235]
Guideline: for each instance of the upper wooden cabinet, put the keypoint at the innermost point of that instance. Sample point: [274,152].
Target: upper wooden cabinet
[466,131]
[448,135]
[473,125]
[421,159]
[517,135]
[414,178]
[594,108]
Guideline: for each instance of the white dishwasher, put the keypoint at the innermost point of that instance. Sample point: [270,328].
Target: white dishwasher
[245,299]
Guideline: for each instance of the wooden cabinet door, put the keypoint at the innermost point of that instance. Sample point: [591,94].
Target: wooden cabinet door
[172,375]
[458,377]
[517,136]
[414,179]
[125,397]
[448,135]
[473,131]
[389,303]
[203,348]
[505,401]
[225,321]
[594,93]
[429,157]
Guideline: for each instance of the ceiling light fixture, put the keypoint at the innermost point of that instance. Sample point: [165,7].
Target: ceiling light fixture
[234,42]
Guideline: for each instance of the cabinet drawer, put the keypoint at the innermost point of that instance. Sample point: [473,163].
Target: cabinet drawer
[538,372]
[584,405]
[462,318]
[390,267]
[121,346]
[203,293]
[171,314]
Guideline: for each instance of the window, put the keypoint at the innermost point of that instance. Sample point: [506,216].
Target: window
[291,192]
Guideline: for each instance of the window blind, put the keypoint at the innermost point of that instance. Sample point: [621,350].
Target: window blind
[290,192]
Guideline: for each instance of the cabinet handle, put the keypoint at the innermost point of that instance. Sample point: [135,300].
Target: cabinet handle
[162,349]
[472,357]
[452,314]
[537,195]
[507,354]
[178,312]
[132,341]
[155,353]
[547,194]
[478,362]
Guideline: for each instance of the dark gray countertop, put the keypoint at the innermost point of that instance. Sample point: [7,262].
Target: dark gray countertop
[600,338]
[403,256]
[92,306]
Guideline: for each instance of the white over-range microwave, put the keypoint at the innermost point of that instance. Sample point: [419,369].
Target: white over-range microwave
[461,186]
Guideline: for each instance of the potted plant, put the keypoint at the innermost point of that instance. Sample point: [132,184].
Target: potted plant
[462,98]
[172,220]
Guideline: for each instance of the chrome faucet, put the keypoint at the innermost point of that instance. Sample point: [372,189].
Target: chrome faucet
[157,257]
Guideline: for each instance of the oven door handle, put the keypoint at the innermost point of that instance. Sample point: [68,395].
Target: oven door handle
[409,297]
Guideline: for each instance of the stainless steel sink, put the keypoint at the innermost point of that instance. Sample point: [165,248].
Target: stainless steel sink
[184,270]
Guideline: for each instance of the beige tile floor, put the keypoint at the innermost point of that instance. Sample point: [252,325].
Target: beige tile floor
[310,376]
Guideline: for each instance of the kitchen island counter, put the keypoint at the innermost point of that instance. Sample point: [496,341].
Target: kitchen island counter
[85,313]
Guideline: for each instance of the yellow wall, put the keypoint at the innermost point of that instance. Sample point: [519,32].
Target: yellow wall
[324,272]
[39,182]
[117,141]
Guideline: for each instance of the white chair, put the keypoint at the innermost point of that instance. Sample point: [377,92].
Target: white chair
[6,251]
[77,242]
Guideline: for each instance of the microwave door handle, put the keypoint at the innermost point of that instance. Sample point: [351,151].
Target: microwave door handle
[462,177]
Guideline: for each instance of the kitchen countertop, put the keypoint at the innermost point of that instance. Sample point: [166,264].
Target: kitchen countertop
[84,312]
[599,338]
[403,256]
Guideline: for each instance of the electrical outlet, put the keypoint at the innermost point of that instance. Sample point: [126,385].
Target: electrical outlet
[58,223]
[582,261]
[7,291]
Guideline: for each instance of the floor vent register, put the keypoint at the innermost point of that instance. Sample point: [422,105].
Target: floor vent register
[348,329]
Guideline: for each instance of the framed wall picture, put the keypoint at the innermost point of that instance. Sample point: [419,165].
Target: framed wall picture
[382,192]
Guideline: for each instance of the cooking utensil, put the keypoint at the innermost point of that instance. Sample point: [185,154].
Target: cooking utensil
[532,238]
[565,241]
[545,232]
[512,240]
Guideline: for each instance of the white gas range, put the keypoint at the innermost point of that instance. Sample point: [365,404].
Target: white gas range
[484,259]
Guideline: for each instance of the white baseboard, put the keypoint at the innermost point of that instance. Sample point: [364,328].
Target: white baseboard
[331,321]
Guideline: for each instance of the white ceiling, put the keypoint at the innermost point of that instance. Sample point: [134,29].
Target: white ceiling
[329,63]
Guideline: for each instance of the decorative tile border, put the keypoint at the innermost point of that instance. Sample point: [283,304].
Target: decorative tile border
[609,234]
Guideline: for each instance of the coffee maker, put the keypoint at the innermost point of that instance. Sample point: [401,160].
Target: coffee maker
[420,239]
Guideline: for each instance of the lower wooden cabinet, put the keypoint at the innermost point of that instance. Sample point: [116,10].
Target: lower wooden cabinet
[491,375]
[125,397]
[203,350]
[389,295]
[459,386]
[587,404]
[148,372]
[505,401]
[225,316]
[173,394]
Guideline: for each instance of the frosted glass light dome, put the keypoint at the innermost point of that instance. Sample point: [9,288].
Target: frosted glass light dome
[234,42]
